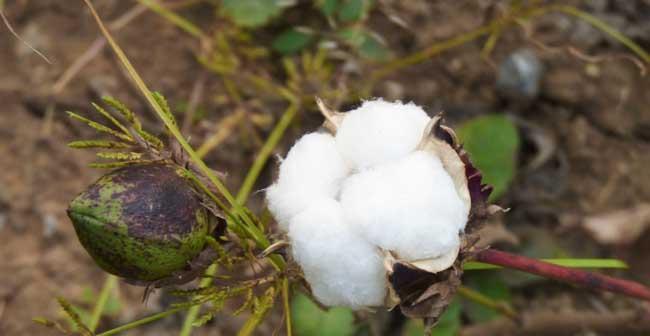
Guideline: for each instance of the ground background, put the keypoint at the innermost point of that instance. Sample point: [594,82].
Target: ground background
[597,114]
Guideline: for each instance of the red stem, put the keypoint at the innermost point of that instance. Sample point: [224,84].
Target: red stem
[565,274]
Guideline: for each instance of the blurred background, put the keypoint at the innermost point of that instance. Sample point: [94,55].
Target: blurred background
[550,97]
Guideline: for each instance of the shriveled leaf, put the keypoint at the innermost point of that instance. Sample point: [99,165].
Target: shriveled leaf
[354,10]
[97,144]
[448,325]
[620,226]
[310,320]
[253,13]
[292,40]
[492,142]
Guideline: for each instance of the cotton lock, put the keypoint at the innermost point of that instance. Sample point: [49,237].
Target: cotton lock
[376,191]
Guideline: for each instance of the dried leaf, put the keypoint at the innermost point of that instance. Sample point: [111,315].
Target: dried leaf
[619,227]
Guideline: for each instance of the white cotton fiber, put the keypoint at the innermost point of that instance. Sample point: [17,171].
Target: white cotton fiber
[342,268]
[313,169]
[409,206]
[380,131]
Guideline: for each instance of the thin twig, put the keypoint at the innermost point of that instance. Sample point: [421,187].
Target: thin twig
[578,277]
[13,32]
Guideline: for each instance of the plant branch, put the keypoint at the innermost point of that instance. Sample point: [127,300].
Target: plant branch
[141,321]
[578,277]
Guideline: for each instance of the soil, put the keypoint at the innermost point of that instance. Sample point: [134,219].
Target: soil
[593,119]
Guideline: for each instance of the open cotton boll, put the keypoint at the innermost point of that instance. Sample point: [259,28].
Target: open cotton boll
[313,169]
[380,131]
[409,206]
[341,267]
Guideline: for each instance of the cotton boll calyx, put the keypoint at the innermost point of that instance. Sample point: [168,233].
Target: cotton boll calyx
[341,267]
[409,207]
[380,131]
[313,169]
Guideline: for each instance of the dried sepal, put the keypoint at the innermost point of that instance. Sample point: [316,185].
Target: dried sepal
[333,118]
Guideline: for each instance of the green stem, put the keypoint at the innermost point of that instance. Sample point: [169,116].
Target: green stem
[140,322]
[499,306]
[174,18]
[105,293]
[265,152]
[287,307]
[573,263]
[193,312]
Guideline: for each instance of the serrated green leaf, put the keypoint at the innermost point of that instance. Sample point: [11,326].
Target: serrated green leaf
[310,320]
[492,142]
[128,115]
[354,10]
[292,40]
[448,325]
[491,285]
[253,13]
[74,317]
[327,7]
[110,118]
[120,156]
[100,127]
[97,144]
[164,106]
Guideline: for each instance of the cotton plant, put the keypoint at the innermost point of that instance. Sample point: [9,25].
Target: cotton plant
[374,202]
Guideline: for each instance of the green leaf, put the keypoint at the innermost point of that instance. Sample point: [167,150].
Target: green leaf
[492,142]
[253,13]
[573,263]
[491,285]
[449,323]
[292,40]
[368,44]
[327,7]
[354,10]
[310,320]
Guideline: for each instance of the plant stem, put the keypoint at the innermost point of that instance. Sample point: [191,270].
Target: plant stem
[193,312]
[578,277]
[265,152]
[484,300]
[105,293]
[140,322]
[287,307]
